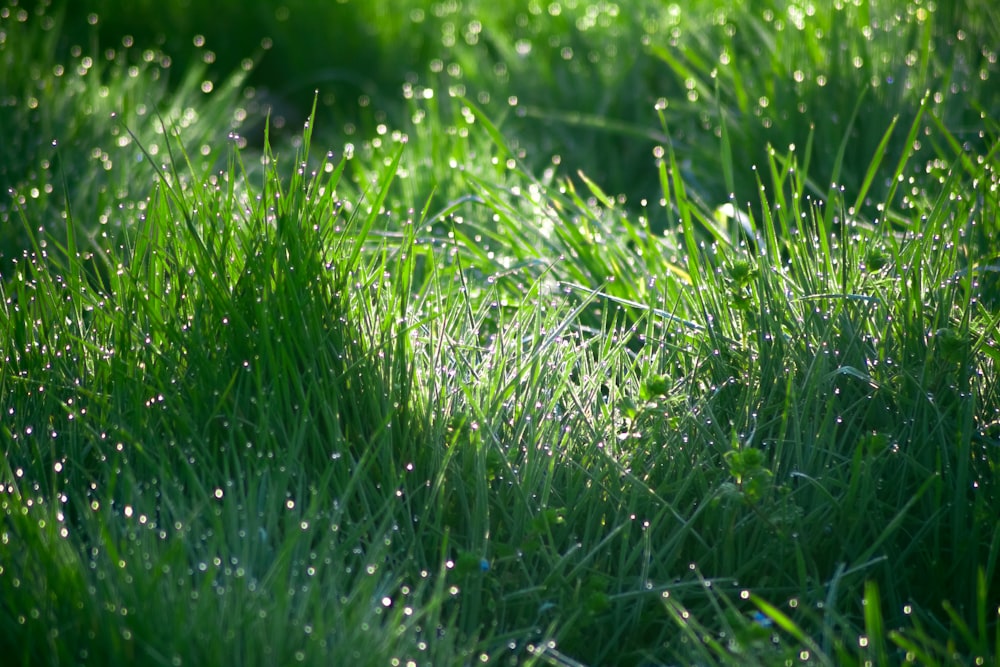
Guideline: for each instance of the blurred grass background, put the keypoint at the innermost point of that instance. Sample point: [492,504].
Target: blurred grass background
[586,75]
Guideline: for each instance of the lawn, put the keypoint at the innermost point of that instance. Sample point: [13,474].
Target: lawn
[530,333]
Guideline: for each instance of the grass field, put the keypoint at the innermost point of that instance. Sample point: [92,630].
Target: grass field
[542,333]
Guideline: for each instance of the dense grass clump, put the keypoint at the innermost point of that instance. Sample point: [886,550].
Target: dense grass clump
[609,373]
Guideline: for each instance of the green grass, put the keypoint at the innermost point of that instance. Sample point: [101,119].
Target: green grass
[413,391]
